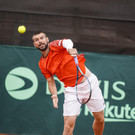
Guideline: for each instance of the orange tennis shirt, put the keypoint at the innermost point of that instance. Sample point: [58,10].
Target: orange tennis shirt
[60,63]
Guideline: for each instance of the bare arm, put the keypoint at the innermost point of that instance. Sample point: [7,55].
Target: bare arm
[53,91]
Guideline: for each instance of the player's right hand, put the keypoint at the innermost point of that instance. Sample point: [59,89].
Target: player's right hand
[55,101]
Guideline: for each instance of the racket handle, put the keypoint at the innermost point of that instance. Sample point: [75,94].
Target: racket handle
[76,60]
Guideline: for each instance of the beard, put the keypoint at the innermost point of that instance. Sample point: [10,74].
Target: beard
[43,49]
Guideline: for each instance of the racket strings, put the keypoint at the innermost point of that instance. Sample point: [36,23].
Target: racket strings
[84,94]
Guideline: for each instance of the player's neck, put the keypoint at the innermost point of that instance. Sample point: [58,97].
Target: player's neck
[45,53]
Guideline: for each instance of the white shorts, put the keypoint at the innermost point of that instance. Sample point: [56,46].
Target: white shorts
[71,105]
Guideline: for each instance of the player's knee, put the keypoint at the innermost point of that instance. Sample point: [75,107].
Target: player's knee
[68,126]
[68,129]
[100,119]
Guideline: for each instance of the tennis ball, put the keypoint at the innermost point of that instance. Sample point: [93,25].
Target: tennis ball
[22,29]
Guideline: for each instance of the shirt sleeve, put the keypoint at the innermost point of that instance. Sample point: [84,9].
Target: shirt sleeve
[45,72]
[67,43]
[62,44]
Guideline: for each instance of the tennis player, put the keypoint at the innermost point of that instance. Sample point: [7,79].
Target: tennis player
[57,59]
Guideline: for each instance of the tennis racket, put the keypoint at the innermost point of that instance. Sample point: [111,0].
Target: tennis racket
[87,95]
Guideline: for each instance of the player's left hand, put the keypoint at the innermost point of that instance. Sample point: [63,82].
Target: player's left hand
[73,52]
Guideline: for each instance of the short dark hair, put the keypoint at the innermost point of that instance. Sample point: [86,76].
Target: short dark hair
[38,32]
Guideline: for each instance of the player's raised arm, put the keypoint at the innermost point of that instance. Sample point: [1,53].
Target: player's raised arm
[68,44]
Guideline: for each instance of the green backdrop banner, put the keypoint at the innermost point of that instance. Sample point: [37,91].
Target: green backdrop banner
[26,106]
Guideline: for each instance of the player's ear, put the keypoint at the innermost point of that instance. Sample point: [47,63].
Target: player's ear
[34,44]
[47,40]
[33,40]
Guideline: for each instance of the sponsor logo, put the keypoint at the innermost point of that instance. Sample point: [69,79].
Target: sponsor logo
[114,111]
[21,83]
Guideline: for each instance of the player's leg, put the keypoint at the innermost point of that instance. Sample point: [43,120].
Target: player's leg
[96,105]
[98,124]
[69,124]
[71,109]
